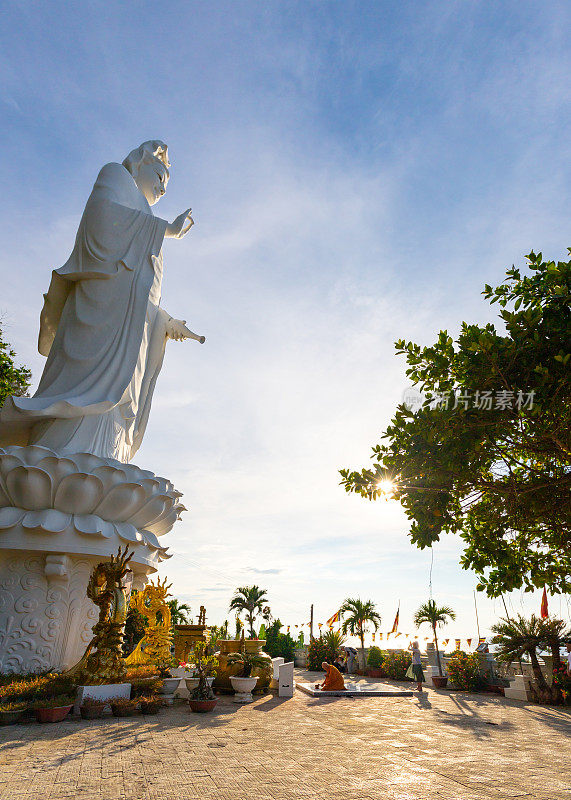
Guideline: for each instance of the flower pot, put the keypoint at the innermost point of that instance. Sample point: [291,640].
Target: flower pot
[224,672]
[375,672]
[123,711]
[152,707]
[192,683]
[243,688]
[201,706]
[52,714]
[11,717]
[91,712]
[439,681]
[170,685]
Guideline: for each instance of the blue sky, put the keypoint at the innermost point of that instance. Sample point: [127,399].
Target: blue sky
[357,172]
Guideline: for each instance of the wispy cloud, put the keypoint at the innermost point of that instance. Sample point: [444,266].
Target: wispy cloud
[356,176]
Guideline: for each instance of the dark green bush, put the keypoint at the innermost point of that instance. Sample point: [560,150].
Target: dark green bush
[375,658]
[279,644]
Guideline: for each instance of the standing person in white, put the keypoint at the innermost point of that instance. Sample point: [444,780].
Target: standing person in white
[417,665]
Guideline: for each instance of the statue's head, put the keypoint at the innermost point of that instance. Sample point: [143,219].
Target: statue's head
[148,165]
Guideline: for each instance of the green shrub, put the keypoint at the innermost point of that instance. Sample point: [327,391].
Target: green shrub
[375,658]
[396,664]
[55,702]
[27,688]
[277,643]
[464,670]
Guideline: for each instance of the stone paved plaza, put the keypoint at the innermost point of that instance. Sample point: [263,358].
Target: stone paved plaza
[447,745]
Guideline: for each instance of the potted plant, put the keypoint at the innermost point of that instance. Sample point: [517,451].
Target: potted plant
[435,616]
[150,704]
[202,697]
[243,684]
[91,708]
[11,713]
[169,684]
[53,709]
[375,662]
[205,662]
[123,707]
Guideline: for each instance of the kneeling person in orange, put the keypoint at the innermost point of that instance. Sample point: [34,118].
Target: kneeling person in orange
[333,679]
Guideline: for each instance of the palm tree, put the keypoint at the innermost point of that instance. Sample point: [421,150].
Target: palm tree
[251,600]
[179,612]
[519,636]
[435,616]
[359,614]
[334,641]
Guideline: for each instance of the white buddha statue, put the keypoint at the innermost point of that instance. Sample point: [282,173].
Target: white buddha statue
[102,327]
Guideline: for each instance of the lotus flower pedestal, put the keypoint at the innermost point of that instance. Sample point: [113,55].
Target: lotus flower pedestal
[60,516]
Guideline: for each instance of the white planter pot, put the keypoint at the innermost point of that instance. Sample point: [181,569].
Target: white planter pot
[192,683]
[243,688]
[170,685]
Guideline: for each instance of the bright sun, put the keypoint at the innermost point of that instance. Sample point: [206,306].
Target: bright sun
[386,487]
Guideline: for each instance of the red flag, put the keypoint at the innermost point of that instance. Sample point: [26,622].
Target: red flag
[544,609]
[396,622]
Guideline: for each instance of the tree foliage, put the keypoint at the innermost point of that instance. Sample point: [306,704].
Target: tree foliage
[519,636]
[435,616]
[498,476]
[180,612]
[358,615]
[14,380]
[252,601]
[279,644]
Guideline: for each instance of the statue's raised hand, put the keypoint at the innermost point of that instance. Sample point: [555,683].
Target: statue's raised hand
[181,225]
[176,329]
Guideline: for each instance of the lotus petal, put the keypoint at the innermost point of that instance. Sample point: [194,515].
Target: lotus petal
[79,493]
[128,532]
[46,521]
[10,516]
[92,525]
[58,468]
[8,462]
[4,499]
[33,454]
[151,540]
[163,525]
[136,474]
[122,502]
[86,462]
[30,488]
[151,486]
[153,510]
[110,476]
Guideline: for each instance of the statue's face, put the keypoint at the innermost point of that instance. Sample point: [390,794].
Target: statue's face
[152,179]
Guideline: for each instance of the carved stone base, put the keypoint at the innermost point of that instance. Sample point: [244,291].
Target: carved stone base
[59,517]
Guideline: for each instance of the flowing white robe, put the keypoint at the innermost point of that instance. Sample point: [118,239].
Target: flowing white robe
[102,330]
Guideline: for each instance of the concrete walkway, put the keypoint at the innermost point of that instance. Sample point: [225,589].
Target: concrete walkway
[442,745]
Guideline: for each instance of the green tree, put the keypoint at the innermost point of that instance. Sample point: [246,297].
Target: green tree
[278,643]
[249,600]
[436,616]
[180,612]
[518,637]
[14,380]
[499,476]
[359,614]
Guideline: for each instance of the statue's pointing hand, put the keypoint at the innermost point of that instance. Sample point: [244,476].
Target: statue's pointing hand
[181,225]
[176,329]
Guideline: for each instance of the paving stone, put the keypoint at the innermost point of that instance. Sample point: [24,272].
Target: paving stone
[441,746]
